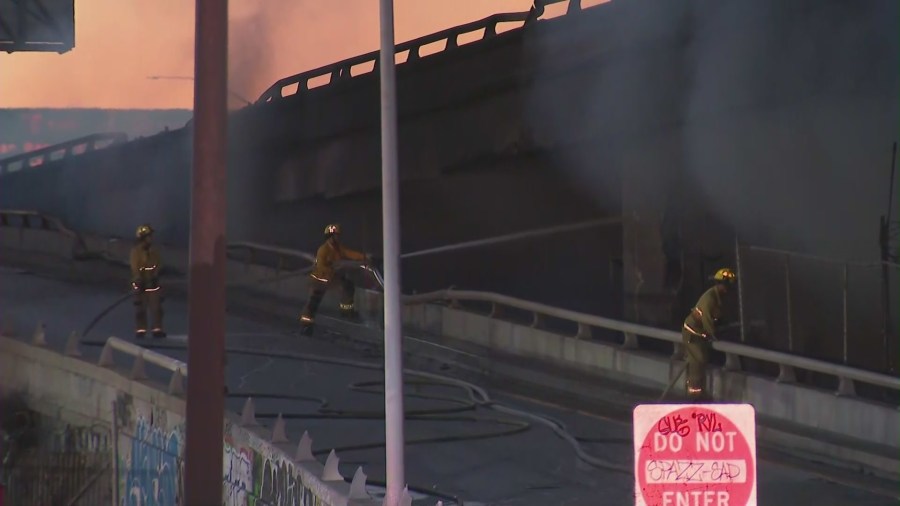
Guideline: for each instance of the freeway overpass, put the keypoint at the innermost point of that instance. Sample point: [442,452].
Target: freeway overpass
[695,126]
[460,450]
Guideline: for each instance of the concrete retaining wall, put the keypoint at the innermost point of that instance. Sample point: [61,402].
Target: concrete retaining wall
[149,433]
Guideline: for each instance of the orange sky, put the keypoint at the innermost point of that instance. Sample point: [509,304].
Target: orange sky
[121,42]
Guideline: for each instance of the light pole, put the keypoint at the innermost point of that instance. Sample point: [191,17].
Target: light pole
[390,210]
[206,289]
[188,78]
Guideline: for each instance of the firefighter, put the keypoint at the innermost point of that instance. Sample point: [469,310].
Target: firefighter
[699,331]
[145,266]
[324,275]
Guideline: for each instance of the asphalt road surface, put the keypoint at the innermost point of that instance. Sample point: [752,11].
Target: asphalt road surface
[455,448]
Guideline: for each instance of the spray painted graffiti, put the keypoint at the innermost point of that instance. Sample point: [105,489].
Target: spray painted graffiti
[237,475]
[275,482]
[151,472]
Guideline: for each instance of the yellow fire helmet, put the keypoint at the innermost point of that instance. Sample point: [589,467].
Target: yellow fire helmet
[724,275]
[333,228]
[143,231]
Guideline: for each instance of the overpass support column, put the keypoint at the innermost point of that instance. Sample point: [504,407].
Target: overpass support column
[647,187]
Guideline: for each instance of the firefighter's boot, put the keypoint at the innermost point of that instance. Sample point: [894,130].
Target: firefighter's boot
[140,334]
[159,333]
[307,325]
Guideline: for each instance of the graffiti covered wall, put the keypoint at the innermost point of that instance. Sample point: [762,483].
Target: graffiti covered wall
[137,432]
[255,474]
[149,455]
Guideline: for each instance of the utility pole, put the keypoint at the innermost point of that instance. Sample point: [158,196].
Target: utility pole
[390,209]
[206,289]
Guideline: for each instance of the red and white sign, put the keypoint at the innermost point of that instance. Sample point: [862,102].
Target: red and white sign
[695,455]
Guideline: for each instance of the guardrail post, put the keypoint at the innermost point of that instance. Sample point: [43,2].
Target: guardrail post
[574,6]
[631,341]
[138,371]
[677,351]
[496,310]
[584,331]
[732,362]
[304,449]
[536,320]
[786,374]
[331,472]
[846,387]
[176,384]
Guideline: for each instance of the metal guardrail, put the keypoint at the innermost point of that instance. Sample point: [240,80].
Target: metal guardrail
[34,219]
[61,151]
[341,70]
[786,362]
[27,219]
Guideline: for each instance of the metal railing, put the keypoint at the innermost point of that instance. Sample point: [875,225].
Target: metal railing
[831,309]
[342,70]
[66,479]
[787,363]
[61,151]
[35,220]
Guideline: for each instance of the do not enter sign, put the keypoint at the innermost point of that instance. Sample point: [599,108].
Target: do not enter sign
[695,455]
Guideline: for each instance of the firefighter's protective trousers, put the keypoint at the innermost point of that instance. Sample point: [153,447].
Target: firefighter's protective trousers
[696,353]
[144,300]
[317,289]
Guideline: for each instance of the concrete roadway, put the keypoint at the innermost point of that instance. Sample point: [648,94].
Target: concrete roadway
[531,467]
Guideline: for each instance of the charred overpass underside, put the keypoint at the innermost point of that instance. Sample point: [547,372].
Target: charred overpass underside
[623,109]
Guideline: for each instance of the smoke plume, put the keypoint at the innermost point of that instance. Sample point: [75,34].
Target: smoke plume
[781,115]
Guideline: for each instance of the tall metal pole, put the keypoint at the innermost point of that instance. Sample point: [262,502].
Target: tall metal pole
[845,316]
[740,281]
[789,307]
[390,211]
[206,289]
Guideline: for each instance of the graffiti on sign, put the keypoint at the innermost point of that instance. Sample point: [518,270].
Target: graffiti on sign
[152,469]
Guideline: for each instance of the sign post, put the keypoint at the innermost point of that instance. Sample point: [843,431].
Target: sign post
[695,455]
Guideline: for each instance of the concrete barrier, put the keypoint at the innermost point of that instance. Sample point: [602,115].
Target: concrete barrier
[148,423]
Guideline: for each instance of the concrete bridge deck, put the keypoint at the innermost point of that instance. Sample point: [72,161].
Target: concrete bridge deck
[529,467]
